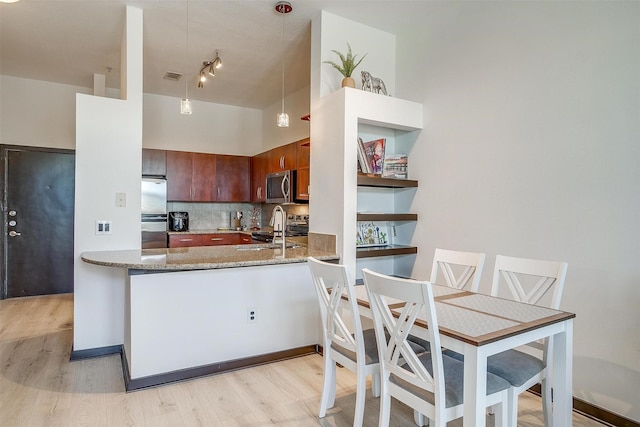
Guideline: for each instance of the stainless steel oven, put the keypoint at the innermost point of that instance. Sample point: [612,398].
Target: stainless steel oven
[154,212]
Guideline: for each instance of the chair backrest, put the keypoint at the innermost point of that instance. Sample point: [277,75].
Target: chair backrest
[461,270]
[332,283]
[410,298]
[529,280]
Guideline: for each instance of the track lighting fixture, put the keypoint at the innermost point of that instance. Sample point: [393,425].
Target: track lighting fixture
[209,68]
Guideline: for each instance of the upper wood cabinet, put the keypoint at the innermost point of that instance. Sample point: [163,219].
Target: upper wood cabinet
[303,157]
[233,178]
[191,177]
[259,165]
[154,162]
[282,158]
[202,177]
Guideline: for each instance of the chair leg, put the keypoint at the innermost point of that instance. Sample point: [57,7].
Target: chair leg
[361,391]
[500,411]
[385,409]
[328,385]
[512,407]
[547,404]
[375,384]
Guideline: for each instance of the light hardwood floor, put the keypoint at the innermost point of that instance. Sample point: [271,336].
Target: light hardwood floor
[40,387]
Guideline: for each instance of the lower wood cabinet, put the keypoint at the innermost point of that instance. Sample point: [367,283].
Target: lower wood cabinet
[186,240]
[212,239]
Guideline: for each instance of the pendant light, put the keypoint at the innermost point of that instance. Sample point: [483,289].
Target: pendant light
[185,104]
[283,8]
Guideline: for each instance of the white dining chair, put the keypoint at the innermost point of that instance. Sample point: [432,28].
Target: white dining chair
[351,347]
[460,270]
[430,383]
[528,281]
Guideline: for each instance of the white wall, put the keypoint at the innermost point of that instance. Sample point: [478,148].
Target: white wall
[211,128]
[43,114]
[297,106]
[38,113]
[531,149]
[332,185]
[108,160]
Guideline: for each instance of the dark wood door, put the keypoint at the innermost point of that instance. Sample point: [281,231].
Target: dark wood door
[204,178]
[233,176]
[38,211]
[179,171]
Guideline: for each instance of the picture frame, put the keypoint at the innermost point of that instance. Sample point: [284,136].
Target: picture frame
[372,233]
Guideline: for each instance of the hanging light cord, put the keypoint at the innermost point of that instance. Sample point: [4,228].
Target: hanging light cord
[284,51]
[186,59]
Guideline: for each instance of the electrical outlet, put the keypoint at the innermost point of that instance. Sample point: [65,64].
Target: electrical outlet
[251,315]
[121,200]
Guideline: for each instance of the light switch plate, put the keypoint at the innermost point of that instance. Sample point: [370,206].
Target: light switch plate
[103,227]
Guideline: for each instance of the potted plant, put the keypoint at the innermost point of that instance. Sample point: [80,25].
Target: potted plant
[349,63]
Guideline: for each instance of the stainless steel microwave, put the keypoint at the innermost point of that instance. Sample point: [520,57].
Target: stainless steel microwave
[280,187]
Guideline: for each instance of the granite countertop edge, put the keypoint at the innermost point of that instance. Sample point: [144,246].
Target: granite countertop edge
[202,258]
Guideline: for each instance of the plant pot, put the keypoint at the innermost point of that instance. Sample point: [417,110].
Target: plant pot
[348,82]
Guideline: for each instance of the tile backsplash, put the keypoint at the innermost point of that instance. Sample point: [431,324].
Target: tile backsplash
[210,216]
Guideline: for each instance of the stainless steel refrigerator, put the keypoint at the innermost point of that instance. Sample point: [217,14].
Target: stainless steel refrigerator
[154,213]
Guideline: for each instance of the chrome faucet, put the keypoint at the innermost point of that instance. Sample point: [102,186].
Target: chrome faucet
[278,222]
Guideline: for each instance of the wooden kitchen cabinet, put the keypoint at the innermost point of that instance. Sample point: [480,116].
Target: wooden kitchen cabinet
[259,164]
[233,178]
[303,151]
[204,177]
[191,177]
[179,175]
[185,240]
[219,239]
[282,158]
[154,162]
[210,239]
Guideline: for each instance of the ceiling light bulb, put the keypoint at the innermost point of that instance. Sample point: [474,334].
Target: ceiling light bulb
[203,77]
[185,106]
[211,71]
[217,62]
[283,120]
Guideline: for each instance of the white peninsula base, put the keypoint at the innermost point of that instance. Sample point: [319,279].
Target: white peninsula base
[184,324]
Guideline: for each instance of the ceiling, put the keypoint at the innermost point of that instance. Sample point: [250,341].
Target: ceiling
[68,41]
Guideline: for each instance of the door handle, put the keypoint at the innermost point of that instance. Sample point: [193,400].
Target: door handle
[14,233]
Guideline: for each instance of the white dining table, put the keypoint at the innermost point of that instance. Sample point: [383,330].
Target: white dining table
[479,326]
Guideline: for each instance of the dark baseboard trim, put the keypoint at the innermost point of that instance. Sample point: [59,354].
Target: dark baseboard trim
[214,368]
[594,412]
[94,352]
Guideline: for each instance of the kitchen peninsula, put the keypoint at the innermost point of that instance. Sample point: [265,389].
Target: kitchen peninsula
[202,310]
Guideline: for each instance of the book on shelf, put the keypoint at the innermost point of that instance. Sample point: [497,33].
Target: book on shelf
[374,155]
[362,158]
[395,166]
[372,233]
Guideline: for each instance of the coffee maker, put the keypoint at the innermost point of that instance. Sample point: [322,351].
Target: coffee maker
[178,221]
